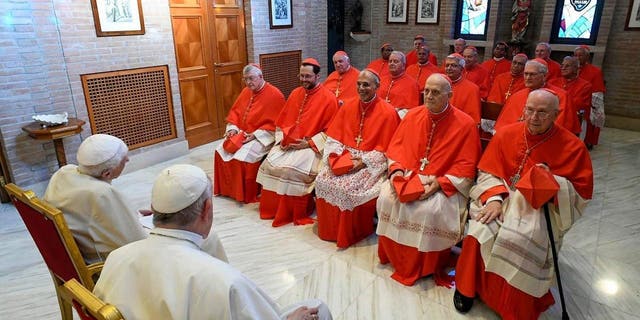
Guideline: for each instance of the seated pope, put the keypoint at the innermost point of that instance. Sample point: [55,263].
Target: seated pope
[169,276]
[99,216]
[432,165]
[506,259]
[248,138]
[355,164]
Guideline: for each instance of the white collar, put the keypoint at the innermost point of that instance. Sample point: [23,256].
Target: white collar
[179,234]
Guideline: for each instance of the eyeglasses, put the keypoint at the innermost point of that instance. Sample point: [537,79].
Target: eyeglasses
[542,115]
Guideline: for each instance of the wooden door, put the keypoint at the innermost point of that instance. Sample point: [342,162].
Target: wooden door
[229,53]
[205,101]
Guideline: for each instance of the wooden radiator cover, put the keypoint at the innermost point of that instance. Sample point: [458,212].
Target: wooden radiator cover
[134,105]
[281,69]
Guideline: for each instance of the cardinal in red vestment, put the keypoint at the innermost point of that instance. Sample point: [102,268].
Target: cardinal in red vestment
[422,209]
[506,258]
[251,121]
[360,132]
[288,173]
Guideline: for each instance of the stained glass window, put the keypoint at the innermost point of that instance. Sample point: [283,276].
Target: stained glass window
[576,21]
[472,19]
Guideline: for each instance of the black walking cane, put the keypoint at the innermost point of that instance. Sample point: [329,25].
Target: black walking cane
[565,315]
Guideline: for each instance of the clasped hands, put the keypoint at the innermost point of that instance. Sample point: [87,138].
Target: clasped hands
[430,183]
[300,144]
[247,136]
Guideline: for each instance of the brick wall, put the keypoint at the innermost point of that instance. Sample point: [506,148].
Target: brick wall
[622,72]
[613,48]
[45,46]
[309,32]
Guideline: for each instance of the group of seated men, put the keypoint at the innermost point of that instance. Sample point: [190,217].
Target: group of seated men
[352,158]
[407,171]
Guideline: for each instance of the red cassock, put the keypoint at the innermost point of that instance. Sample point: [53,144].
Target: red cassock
[306,114]
[479,76]
[343,85]
[593,75]
[421,72]
[504,86]
[380,66]
[354,189]
[412,58]
[495,68]
[566,157]
[513,110]
[455,150]
[578,91]
[553,69]
[466,97]
[236,178]
[402,92]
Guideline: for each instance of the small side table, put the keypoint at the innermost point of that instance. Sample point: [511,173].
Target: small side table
[55,133]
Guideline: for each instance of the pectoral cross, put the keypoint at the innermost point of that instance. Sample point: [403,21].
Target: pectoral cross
[423,163]
[358,140]
[514,180]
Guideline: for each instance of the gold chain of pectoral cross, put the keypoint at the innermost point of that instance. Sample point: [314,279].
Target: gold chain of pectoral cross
[246,111]
[363,111]
[516,177]
[304,101]
[389,91]
[338,85]
[425,161]
[508,93]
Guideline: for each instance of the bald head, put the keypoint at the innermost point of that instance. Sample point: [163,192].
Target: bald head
[541,110]
[437,91]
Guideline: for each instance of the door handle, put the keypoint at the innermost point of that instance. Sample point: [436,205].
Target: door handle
[218,64]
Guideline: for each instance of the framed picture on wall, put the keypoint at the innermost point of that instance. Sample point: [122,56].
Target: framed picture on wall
[117,18]
[633,17]
[427,11]
[280,14]
[397,11]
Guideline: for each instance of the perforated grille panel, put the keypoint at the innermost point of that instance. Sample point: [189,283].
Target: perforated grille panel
[281,69]
[134,105]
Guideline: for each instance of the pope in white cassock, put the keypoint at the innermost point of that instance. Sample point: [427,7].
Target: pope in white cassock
[99,216]
[168,276]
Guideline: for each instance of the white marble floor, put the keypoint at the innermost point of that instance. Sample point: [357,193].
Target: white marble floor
[599,261]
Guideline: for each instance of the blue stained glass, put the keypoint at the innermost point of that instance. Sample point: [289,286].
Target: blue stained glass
[474,17]
[577,23]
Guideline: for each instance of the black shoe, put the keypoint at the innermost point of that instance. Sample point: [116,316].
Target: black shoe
[463,304]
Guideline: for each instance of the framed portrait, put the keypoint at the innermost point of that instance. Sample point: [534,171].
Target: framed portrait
[117,17]
[576,22]
[397,11]
[633,17]
[280,14]
[427,11]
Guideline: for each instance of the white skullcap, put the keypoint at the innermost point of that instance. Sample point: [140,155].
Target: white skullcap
[98,148]
[177,187]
